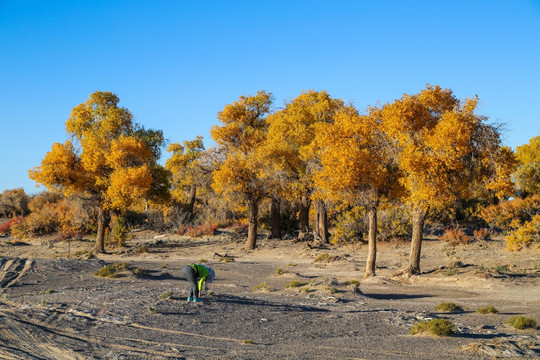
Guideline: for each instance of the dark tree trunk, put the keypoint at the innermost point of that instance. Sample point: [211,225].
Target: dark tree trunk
[372,241]
[102,224]
[275,228]
[305,204]
[322,221]
[191,203]
[419,214]
[253,212]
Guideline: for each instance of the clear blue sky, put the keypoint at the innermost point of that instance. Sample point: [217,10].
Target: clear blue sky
[175,64]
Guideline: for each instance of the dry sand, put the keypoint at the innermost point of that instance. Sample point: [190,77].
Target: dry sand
[53,307]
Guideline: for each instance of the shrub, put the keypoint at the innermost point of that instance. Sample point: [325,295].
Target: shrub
[448,307]
[521,323]
[326,258]
[140,272]
[512,214]
[487,310]
[13,202]
[295,284]
[350,226]
[197,230]
[482,234]
[166,295]
[280,271]
[438,327]
[120,230]
[5,229]
[111,270]
[455,236]
[394,223]
[261,287]
[352,282]
[525,235]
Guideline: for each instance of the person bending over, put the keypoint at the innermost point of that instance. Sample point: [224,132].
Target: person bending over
[197,275]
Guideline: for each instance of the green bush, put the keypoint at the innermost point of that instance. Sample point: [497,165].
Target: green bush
[166,295]
[350,226]
[261,287]
[295,284]
[521,323]
[111,270]
[394,223]
[437,327]
[448,307]
[487,310]
[140,272]
[120,231]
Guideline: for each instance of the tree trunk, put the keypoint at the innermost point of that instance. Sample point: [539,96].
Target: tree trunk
[253,212]
[305,204]
[102,223]
[418,217]
[192,198]
[372,241]
[322,221]
[275,228]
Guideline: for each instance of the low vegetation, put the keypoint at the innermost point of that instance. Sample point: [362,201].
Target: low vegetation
[437,327]
[261,287]
[448,307]
[111,270]
[487,310]
[521,323]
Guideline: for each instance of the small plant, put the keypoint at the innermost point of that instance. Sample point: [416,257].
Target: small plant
[141,250]
[448,307]
[280,271]
[521,323]
[44,292]
[352,282]
[482,234]
[140,272]
[501,269]
[448,252]
[166,295]
[261,287]
[331,289]
[164,265]
[247,342]
[164,274]
[326,258]
[455,236]
[295,284]
[198,230]
[226,259]
[203,261]
[111,270]
[153,310]
[437,327]
[120,230]
[487,310]
[450,272]
[291,264]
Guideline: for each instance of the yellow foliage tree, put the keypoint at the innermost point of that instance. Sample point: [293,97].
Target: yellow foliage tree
[187,171]
[242,132]
[292,153]
[107,163]
[528,171]
[443,148]
[358,168]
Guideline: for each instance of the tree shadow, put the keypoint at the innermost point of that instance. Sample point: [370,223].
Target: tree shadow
[395,296]
[231,299]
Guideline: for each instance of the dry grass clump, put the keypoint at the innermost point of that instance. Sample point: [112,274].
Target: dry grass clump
[521,323]
[352,282]
[261,287]
[325,258]
[448,307]
[437,327]
[295,284]
[487,310]
[140,272]
[455,236]
[280,271]
[166,295]
[111,270]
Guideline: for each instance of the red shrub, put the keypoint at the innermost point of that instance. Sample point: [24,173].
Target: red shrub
[455,236]
[5,229]
[197,230]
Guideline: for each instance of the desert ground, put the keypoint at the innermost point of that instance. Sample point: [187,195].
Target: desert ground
[52,306]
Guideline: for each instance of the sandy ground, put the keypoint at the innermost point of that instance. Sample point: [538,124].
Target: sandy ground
[53,307]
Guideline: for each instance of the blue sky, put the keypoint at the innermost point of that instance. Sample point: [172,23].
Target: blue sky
[175,64]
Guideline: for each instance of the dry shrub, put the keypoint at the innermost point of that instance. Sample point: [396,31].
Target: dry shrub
[482,234]
[512,214]
[521,323]
[197,230]
[487,310]
[449,307]
[455,236]
[5,229]
[13,202]
[526,235]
